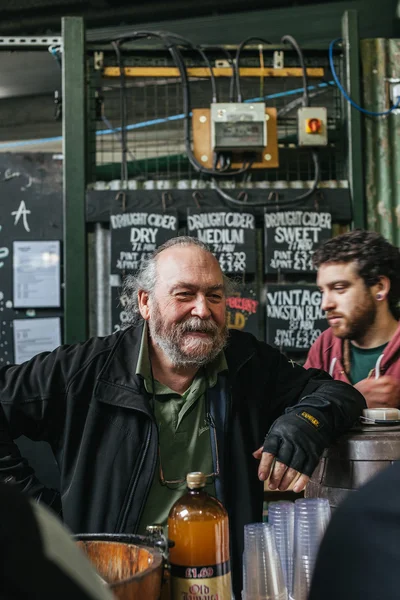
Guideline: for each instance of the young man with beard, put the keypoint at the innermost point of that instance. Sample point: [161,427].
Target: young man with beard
[359,277]
[129,415]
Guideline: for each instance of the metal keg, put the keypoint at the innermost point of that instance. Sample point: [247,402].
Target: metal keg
[130,569]
[354,459]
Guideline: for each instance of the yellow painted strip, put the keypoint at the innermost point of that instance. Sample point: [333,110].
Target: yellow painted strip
[204,72]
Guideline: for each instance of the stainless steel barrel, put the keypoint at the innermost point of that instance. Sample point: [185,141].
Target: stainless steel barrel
[354,459]
[132,571]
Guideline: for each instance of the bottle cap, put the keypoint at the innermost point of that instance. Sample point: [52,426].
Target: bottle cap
[195,480]
[154,529]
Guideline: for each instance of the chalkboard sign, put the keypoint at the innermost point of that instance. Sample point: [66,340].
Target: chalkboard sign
[29,185]
[291,236]
[294,316]
[231,236]
[243,310]
[135,236]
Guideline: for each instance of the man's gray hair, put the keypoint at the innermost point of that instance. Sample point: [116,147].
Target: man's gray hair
[146,277]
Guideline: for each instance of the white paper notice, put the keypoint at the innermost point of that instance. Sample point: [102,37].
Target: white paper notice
[36,270]
[32,336]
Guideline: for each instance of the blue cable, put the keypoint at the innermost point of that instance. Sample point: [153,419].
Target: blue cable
[365,111]
[160,121]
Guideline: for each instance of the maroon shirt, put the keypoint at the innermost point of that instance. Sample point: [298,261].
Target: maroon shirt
[327,354]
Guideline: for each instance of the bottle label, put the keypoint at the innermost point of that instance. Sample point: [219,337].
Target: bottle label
[209,582]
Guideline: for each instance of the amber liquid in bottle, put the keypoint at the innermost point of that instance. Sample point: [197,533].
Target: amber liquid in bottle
[200,562]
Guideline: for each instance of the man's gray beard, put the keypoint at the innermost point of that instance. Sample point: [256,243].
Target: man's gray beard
[169,340]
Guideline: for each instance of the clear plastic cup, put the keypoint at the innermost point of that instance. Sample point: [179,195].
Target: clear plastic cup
[281,517]
[311,520]
[262,570]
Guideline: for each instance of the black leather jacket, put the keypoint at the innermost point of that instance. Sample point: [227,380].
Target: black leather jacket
[89,404]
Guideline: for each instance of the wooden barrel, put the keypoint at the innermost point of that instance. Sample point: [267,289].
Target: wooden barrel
[132,572]
[354,459]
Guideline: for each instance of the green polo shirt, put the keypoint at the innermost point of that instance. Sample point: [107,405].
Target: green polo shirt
[363,361]
[184,435]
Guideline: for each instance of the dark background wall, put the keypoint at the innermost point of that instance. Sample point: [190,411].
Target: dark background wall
[28,79]
[208,20]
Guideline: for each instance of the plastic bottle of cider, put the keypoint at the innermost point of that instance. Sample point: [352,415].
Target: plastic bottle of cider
[200,561]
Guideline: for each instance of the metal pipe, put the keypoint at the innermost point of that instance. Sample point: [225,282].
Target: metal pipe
[101,280]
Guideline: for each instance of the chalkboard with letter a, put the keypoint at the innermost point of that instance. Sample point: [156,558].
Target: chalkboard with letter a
[291,237]
[294,316]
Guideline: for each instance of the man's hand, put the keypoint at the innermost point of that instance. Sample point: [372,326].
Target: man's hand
[380,393]
[280,476]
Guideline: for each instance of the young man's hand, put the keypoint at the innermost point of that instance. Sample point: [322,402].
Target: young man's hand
[380,393]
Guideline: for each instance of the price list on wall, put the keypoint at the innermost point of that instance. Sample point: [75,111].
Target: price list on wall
[243,310]
[135,236]
[294,316]
[291,237]
[231,236]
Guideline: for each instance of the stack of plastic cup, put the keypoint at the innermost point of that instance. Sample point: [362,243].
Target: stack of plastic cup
[281,517]
[311,518]
[262,571]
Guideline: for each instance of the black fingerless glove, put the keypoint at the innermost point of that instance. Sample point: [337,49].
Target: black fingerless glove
[298,438]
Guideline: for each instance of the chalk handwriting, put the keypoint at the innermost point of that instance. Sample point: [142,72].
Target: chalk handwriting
[10,174]
[229,235]
[4,252]
[153,220]
[292,236]
[21,212]
[28,185]
[294,317]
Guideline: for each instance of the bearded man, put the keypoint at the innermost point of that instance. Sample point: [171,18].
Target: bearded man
[359,277]
[129,415]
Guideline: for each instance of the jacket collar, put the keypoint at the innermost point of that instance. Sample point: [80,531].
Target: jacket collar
[117,383]
[119,371]
[239,350]
[120,367]
[391,352]
[335,348]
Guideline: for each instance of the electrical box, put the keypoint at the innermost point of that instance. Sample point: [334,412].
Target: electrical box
[267,158]
[312,126]
[238,126]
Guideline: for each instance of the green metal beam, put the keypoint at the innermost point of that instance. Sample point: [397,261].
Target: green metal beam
[351,49]
[74,127]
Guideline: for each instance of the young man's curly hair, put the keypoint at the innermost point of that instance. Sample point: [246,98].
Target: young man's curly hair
[373,255]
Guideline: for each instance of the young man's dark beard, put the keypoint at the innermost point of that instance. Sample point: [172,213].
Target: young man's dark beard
[171,339]
[361,320]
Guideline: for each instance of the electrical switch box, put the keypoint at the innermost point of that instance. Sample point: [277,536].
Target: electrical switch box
[312,126]
[238,126]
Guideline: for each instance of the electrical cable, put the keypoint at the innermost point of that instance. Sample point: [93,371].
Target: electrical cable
[132,126]
[180,64]
[295,103]
[55,51]
[118,136]
[365,111]
[182,42]
[261,55]
[236,64]
[124,150]
[232,78]
[290,40]
[212,76]
[280,203]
